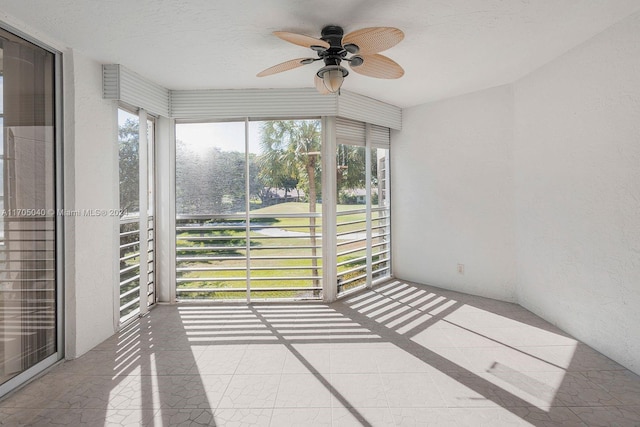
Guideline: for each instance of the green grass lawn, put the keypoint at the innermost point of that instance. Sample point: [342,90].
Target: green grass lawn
[303,208]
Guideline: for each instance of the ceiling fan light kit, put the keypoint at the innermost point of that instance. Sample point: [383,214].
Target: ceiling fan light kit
[333,47]
[332,77]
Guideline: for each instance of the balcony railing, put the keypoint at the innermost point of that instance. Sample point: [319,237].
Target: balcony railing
[129,268]
[352,245]
[277,256]
[380,243]
[151,285]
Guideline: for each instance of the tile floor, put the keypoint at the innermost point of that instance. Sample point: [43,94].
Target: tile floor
[398,355]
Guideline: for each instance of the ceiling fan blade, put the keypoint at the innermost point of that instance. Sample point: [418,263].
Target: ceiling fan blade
[285,66]
[379,66]
[320,87]
[373,39]
[301,39]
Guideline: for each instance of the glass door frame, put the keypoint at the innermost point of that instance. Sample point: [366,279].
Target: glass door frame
[152,123]
[146,209]
[50,360]
[248,218]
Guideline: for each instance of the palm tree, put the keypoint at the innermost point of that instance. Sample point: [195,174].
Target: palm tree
[291,150]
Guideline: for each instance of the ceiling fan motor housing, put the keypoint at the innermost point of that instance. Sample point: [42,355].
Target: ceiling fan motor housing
[332,34]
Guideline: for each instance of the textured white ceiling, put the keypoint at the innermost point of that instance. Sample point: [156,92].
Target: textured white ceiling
[450,47]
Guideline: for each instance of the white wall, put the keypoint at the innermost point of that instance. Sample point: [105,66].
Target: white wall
[91,182]
[546,179]
[452,194]
[577,163]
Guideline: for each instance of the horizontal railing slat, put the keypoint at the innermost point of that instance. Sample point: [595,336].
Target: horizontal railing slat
[306,288]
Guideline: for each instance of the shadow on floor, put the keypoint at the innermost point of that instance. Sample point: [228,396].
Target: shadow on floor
[398,354]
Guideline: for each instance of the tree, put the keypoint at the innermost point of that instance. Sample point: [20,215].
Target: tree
[211,181]
[291,151]
[129,168]
[351,162]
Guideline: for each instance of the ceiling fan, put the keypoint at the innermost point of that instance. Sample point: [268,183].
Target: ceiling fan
[333,47]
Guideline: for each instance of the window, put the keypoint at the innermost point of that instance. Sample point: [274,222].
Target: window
[249,209]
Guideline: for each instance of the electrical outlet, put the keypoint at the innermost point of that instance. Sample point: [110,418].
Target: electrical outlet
[460,268]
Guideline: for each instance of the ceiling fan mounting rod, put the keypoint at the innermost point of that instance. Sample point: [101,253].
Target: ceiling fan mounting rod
[332,34]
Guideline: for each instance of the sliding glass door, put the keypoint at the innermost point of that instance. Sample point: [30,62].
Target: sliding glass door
[351,222]
[137,207]
[29,294]
[286,205]
[363,214]
[129,173]
[211,199]
[248,208]
[380,206]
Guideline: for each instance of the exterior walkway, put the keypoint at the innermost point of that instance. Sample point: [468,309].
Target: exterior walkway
[400,354]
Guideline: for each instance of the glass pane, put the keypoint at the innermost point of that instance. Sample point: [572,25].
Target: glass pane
[128,143]
[351,220]
[285,200]
[151,167]
[210,210]
[380,214]
[28,329]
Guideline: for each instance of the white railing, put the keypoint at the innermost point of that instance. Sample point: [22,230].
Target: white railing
[380,243]
[129,268]
[151,286]
[276,256]
[352,243]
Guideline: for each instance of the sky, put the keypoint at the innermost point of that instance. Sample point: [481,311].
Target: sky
[228,136]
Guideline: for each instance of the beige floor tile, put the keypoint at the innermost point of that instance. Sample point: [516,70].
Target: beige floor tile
[307,358]
[577,390]
[243,417]
[295,417]
[303,391]
[414,390]
[262,361]
[183,417]
[217,361]
[400,354]
[358,390]
[353,361]
[250,391]
[93,417]
[348,417]
[606,416]
[419,417]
